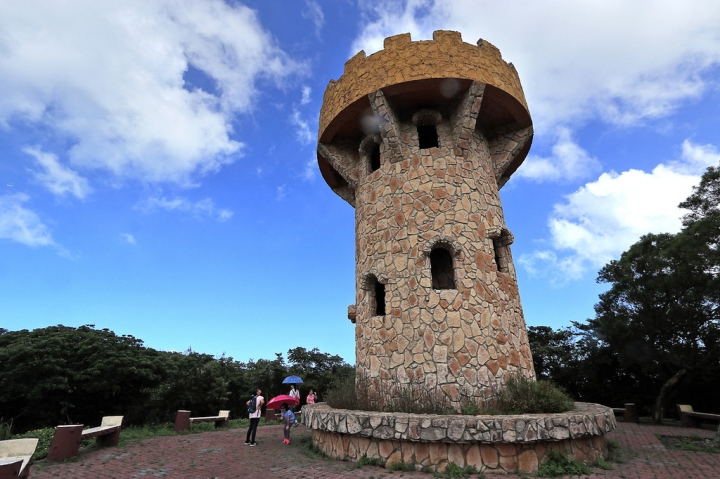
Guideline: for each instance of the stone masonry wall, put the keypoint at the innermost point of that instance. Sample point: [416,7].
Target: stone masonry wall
[494,443]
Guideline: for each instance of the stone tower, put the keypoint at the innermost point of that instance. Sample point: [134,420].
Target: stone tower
[419,138]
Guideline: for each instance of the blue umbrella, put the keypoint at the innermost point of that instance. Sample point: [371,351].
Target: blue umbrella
[292,380]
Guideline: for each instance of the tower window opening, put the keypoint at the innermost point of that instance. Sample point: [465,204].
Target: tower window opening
[427,136]
[500,255]
[379,290]
[441,269]
[375,158]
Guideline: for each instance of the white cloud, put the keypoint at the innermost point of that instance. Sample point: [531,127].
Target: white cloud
[306,91]
[280,192]
[129,238]
[20,224]
[569,161]
[202,208]
[109,77]
[310,170]
[314,13]
[618,61]
[56,177]
[302,128]
[603,218]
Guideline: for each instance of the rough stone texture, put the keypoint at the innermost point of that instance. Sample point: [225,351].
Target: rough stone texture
[495,443]
[464,341]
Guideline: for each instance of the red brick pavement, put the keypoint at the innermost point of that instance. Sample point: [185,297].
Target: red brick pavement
[223,455]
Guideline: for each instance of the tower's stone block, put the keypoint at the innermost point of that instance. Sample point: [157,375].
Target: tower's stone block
[419,138]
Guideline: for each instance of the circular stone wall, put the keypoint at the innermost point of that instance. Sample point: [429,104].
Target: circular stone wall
[495,443]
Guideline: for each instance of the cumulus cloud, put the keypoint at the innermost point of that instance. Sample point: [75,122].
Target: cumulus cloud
[56,177]
[20,224]
[617,61]
[569,161]
[604,217]
[112,78]
[306,91]
[202,208]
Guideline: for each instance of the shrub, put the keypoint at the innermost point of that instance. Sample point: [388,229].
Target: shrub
[452,470]
[401,466]
[524,396]
[370,461]
[557,464]
[5,429]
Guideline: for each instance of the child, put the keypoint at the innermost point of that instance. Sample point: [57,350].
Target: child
[289,419]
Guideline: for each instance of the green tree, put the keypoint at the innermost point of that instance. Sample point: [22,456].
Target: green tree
[660,315]
[318,370]
[59,374]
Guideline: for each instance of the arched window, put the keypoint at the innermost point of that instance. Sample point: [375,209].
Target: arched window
[426,122]
[370,151]
[379,299]
[441,269]
[501,241]
[376,293]
[375,158]
[427,136]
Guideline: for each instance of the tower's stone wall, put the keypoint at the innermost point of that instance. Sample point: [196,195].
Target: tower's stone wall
[460,340]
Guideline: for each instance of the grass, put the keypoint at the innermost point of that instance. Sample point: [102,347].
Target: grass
[401,466]
[690,443]
[557,464]
[519,396]
[452,470]
[309,448]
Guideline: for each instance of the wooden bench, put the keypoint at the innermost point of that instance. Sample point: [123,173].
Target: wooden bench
[629,412]
[183,420]
[66,440]
[15,456]
[690,418]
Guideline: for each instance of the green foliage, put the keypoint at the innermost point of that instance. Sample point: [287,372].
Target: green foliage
[524,396]
[44,437]
[452,470]
[603,464]
[64,375]
[401,466]
[370,461]
[308,447]
[557,465]
[5,429]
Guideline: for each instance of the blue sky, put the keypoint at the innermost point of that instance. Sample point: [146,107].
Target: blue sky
[158,173]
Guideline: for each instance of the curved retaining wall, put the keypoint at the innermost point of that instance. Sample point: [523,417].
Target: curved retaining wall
[494,443]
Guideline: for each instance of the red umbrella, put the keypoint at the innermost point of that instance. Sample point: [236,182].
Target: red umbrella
[278,401]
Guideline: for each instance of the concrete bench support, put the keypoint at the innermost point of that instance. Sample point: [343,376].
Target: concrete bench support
[66,440]
[629,412]
[15,457]
[183,420]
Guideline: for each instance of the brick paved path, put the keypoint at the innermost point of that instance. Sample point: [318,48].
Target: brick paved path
[222,455]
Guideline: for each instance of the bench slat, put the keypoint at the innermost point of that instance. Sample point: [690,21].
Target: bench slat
[98,431]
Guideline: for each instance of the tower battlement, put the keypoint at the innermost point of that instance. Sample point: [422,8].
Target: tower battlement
[402,60]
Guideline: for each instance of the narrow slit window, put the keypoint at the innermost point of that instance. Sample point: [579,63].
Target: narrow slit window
[500,255]
[375,158]
[379,299]
[441,269]
[427,136]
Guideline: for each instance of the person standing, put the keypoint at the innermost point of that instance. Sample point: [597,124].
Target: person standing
[311,397]
[289,419]
[295,394]
[255,411]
